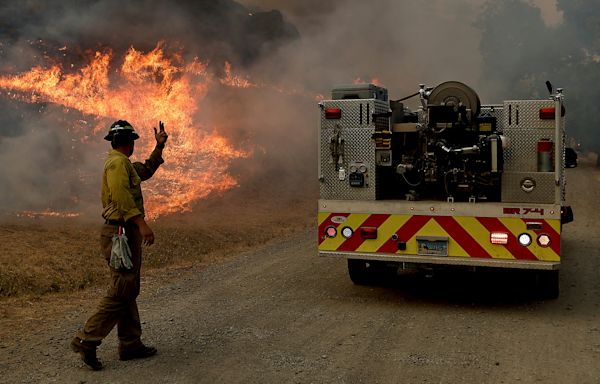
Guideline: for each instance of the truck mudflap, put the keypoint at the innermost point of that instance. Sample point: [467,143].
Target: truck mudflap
[508,242]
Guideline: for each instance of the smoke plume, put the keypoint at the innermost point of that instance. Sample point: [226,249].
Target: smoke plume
[291,53]
[521,50]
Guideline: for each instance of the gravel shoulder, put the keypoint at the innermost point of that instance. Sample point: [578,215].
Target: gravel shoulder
[278,313]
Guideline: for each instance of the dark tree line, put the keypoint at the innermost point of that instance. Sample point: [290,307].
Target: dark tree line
[520,52]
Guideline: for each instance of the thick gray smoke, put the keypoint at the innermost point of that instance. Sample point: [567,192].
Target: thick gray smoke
[521,51]
[300,50]
[219,29]
[398,43]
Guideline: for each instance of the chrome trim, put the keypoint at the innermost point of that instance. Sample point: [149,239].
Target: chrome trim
[447,260]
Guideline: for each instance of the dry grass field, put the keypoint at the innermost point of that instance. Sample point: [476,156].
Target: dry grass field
[46,255]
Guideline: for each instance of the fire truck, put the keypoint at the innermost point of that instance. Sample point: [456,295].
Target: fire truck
[451,183]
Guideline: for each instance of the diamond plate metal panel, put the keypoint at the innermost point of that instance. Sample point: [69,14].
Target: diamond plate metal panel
[356,113]
[358,146]
[521,154]
[544,191]
[524,128]
[526,114]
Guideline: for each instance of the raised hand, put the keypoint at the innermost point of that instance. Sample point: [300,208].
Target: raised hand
[160,135]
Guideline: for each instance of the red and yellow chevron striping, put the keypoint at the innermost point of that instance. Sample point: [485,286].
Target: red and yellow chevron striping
[467,236]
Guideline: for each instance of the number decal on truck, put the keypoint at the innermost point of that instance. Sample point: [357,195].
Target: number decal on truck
[523,211]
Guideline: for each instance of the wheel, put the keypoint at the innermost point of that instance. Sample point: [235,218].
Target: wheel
[363,272]
[547,284]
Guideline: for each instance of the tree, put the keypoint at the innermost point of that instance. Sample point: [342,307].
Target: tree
[520,52]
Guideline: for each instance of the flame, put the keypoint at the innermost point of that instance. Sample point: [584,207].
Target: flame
[233,80]
[47,213]
[374,81]
[146,88]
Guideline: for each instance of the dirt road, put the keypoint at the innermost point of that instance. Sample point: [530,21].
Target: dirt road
[279,314]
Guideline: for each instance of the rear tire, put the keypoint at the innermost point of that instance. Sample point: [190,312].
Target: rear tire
[364,272]
[547,284]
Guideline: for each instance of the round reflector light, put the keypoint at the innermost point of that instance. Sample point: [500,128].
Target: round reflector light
[524,239]
[543,240]
[347,232]
[330,231]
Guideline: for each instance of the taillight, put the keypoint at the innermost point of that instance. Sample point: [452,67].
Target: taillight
[550,113]
[543,240]
[499,238]
[333,113]
[368,233]
[330,232]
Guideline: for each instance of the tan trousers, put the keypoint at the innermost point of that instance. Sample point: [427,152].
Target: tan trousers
[118,307]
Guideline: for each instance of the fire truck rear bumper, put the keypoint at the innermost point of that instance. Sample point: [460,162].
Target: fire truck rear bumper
[446,260]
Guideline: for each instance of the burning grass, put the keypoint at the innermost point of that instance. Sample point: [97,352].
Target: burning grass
[145,88]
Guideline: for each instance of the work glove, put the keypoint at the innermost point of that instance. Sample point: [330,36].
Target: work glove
[120,255]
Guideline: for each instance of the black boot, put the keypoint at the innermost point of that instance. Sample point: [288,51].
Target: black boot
[140,352]
[88,354]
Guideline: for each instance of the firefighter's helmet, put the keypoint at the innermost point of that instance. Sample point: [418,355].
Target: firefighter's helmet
[121,128]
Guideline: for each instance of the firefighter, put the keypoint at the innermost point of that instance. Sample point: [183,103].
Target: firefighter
[123,207]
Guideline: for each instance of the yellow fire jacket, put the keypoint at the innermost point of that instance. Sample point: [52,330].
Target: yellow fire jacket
[121,184]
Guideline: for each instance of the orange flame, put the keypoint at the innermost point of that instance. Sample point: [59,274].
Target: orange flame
[233,80]
[47,213]
[374,81]
[147,87]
